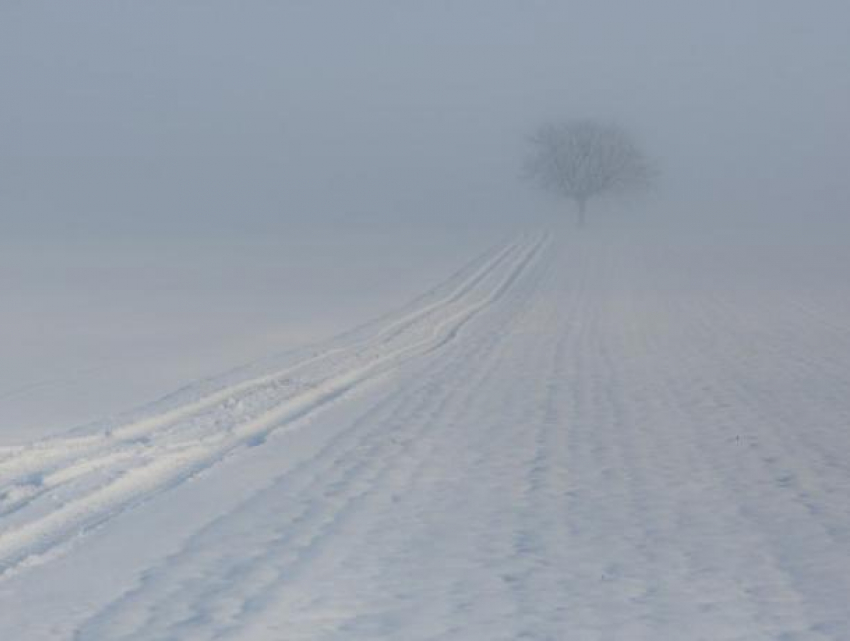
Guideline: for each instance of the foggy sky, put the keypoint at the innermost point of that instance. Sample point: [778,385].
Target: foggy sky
[168,116]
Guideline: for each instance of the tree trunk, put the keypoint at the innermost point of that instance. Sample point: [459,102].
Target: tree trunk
[582,207]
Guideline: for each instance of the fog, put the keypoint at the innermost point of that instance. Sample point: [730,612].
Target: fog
[185,186]
[212,117]
[424,319]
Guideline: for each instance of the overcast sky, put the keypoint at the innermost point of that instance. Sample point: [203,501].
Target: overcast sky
[167,116]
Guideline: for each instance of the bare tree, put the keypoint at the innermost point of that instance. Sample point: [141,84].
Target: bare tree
[582,159]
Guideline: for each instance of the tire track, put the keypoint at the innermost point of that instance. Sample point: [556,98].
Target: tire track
[282,536]
[22,462]
[166,469]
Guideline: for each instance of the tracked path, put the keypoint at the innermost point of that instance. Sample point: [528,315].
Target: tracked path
[569,440]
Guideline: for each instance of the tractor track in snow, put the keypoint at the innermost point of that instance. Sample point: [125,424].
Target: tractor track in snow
[110,473]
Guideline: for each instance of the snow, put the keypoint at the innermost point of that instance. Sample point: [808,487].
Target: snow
[612,435]
[90,327]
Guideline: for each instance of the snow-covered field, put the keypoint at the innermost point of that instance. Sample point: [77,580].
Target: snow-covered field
[612,435]
[92,327]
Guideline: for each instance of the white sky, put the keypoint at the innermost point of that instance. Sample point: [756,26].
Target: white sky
[160,116]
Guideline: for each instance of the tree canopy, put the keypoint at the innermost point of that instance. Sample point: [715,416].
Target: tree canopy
[583,159]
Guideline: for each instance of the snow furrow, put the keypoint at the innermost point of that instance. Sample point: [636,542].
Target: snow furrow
[21,461]
[29,540]
[290,525]
[36,470]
